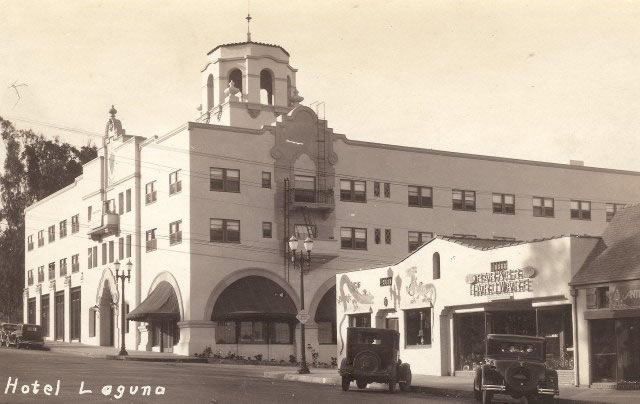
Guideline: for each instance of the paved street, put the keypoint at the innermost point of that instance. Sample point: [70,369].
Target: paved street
[183,383]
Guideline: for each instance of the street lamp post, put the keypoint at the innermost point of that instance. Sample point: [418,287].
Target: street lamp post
[123,350]
[299,261]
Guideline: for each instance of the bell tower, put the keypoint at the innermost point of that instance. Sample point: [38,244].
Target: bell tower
[247,84]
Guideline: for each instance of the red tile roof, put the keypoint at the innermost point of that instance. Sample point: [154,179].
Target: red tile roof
[247,43]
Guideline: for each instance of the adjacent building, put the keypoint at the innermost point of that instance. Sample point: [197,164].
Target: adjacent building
[202,214]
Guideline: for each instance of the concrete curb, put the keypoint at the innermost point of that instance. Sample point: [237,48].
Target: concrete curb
[152,359]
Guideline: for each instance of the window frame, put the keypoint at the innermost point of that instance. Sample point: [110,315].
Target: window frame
[51,231]
[225,231]
[353,239]
[502,206]
[543,210]
[353,194]
[225,182]
[175,183]
[421,201]
[150,193]
[420,235]
[75,223]
[463,206]
[266,179]
[30,242]
[267,230]
[425,324]
[151,243]
[581,213]
[615,208]
[175,232]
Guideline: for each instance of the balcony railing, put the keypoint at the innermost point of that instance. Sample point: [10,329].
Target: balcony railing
[175,187]
[40,277]
[30,280]
[318,199]
[175,238]
[75,267]
[108,225]
[151,245]
[52,273]
[63,270]
[40,242]
[30,246]
[150,197]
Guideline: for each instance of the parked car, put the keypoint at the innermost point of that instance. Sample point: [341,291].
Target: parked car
[26,335]
[515,366]
[372,356]
[5,330]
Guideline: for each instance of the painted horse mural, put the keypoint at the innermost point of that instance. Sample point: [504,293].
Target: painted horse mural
[419,291]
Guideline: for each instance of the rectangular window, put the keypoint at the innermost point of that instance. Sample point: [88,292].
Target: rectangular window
[504,204]
[305,189]
[41,273]
[52,270]
[63,267]
[387,236]
[376,236]
[418,238]
[30,277]
[602,297]
[280,333]
[464,200]
[75,223]
[74,313]
[31,311]
[327,333]
[121,203]
[353,191]
[542,207]
[175,184]
[266,229]
[253,332]
[302,231]
[109,206]
[150,193]
[612,209]
[226,332]
[360,320]
[418,326]
[59,316]
[224,231]
[266,179]
[44,315]
[387,190]
[40,238]
[352,238]
[376,189]
[63,229]
[421,197]
[30,242]
[52,234]
[89,258]
[95,256]
[111,251]
[224,179]
[128,200]
[581,210]
[175,232]
[128,245]
[89,213]
[499,266]
[104,253]
[151,240]
[75,263]
[120,248]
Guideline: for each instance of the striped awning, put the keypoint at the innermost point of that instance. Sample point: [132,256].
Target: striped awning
[162,302]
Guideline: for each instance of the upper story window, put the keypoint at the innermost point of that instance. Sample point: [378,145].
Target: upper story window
[387,236]
[543,207]
[499,266]
[175,184]
[598,298]
[267,229]
[30,277]
[63,267]
[352,238]
[63,229]
[121,203]
[150,192]
[612,209]
[40,238]
[464,200]
[89,208]
[421,197]
[151,240]
[52,234]
[305,188]
[224,179]
[224,231]
[128,200]
[128,247]
[387,190]
[418,238]
[75,263]
[175,232]
[302,231]
[376,189]
[52,270]
[581,210]
[30,242]
[376,236]
[353,191]
[75,223]
[504,203]
[92,257]
[266,179]
[436,265]
[41,273]
[109,206]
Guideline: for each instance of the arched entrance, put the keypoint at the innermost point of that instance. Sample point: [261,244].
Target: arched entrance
[325,317]
[254,310]
[107,317]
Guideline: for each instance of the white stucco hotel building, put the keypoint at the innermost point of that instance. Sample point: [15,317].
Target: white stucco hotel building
[202,214]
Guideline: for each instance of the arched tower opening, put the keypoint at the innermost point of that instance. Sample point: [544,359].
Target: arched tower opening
[266,87]
[209,92]
[436,265]
[236,76]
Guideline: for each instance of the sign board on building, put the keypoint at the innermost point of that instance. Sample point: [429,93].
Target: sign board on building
[504,282]
[625,295]
[303,316]
[388,281]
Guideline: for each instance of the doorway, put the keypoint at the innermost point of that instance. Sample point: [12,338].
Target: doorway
[165,333]
[107,320]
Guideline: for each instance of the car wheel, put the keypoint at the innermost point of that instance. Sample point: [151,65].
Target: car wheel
[406,385]
[362,384]
[477,394]
[346,381]
[487,396]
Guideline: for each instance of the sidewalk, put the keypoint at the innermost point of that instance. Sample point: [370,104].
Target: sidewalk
[462,387]
[103,352]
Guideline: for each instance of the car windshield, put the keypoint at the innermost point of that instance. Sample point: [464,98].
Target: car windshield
[522,350]
[31,329]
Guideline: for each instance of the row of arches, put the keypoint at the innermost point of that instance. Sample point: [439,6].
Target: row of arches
[267,86]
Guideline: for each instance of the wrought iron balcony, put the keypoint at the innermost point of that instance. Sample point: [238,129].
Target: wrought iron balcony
[107,225]
[310,198]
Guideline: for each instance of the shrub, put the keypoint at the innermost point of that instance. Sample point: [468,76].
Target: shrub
[258,357]
[293,359]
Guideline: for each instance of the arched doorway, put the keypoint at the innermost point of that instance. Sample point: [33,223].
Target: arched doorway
[326,318]
[254,310]
[107,317]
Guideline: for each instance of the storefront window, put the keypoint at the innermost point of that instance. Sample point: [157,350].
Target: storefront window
[470,333]
[327,333]
[628,332]
[226,332]
[603,345]
[418,326]
[253,332]
[280,333]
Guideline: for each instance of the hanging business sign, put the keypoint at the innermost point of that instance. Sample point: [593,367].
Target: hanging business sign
[506,282]
[625,295]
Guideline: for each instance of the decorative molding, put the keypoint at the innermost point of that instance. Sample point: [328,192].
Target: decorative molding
[253,113]
[197,324]
[276,153]
[333,158]
[25,293]
[67,281]
[52,285]
[39,289]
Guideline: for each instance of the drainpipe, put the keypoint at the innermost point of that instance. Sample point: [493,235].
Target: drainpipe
[574,321]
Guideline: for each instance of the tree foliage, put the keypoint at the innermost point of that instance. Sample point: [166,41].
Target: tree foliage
[34,168]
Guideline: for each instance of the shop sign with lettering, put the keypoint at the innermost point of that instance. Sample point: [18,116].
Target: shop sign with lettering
[501,282]
[388,281]
[625,296]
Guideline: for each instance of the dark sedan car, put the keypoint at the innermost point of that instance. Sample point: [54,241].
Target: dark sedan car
[5,330]
[515,366]
[26,335]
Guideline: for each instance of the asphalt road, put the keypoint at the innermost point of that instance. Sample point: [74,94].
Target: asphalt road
[182,383]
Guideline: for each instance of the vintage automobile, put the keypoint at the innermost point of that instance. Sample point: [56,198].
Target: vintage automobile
[5,330]
[26,335]
[372,356]
[515,365]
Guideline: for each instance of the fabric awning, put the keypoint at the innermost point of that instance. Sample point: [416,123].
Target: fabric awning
[254,298]
[162,302]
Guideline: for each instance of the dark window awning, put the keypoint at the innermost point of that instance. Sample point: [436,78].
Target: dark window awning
[162,302]
[326,311]
[254,298]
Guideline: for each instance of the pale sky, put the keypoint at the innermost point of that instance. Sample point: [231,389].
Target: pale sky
[540,80]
